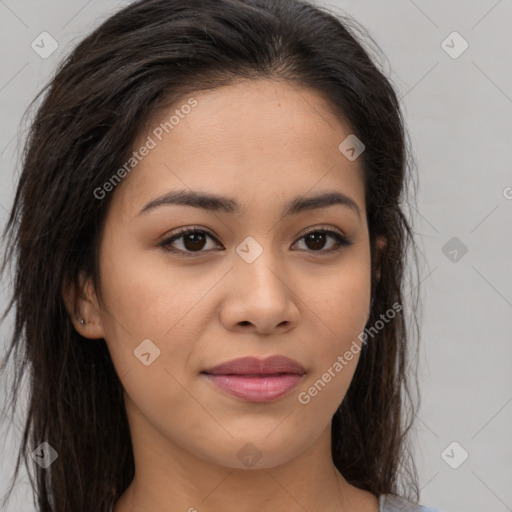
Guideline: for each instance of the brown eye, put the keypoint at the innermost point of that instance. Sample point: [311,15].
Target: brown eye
[192,240]
[316,240]
[195,240]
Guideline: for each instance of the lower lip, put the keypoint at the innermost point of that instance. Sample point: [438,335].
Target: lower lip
[257,388]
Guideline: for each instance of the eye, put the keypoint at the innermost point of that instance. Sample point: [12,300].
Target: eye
[316,239]
[194,240]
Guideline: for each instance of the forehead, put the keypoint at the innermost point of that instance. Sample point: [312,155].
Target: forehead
[259,141]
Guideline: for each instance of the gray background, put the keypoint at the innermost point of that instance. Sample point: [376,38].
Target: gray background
[458,112]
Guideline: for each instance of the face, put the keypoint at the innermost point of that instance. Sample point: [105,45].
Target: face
[271,269]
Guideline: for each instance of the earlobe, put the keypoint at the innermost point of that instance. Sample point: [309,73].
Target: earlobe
[83,307]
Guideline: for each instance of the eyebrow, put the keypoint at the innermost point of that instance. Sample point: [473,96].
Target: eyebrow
[212,202]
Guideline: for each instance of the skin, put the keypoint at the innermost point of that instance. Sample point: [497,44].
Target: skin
[260,143]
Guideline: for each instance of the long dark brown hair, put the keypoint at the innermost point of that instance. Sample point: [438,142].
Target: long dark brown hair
[147,56]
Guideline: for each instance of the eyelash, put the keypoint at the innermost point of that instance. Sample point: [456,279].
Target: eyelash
[341,241]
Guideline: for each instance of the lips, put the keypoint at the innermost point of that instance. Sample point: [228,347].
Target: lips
[273,365]
[257,380]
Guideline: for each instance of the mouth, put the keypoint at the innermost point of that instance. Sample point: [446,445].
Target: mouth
[257,380]
[256,388]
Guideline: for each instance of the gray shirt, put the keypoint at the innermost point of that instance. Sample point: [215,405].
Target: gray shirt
[394,503]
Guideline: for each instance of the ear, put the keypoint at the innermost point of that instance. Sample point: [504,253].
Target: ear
[380,249]
[82,304]
[381,244]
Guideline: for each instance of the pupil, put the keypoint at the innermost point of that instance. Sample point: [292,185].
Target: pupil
[197,240]
[317,238]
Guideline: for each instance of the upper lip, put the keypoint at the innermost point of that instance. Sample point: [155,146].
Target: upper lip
[253,366]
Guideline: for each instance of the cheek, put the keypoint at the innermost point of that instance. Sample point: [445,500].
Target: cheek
[340,297]
[341,305]
[337,347]
[148,302]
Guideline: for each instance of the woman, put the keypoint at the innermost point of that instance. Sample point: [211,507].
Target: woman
[209,256]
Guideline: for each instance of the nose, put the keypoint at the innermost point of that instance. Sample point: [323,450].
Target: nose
[261,298]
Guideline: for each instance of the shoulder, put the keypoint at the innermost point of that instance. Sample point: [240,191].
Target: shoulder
[394,503]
